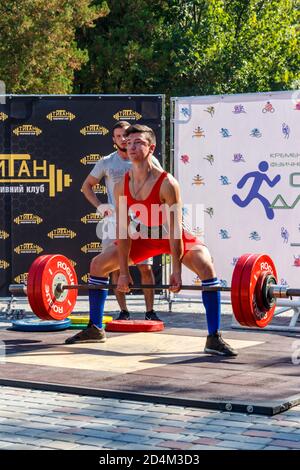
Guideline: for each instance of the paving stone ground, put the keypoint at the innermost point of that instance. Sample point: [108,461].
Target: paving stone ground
[32,419]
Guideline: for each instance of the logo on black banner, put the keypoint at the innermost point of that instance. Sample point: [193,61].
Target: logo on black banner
[91,159]
[93,247]
[28,219]
[127,115]
[27,129]
[19,172]
[99,189]
[3,264]
[92,218]
[26,248]
[60,115]
[21,278]
[3,235]
[94,129]
[61,232]
[3,116]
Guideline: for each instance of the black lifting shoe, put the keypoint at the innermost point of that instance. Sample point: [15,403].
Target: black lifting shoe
[123,315]
[92,334]
[151,315]
[216,345]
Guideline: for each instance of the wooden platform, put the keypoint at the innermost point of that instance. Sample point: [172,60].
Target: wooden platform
[165,367]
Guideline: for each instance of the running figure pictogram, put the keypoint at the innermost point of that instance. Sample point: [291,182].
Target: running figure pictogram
[258,179]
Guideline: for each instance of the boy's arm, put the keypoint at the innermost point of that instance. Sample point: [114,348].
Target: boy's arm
[124,241]
[170,194]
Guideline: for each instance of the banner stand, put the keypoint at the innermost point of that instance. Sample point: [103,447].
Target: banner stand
[224,141]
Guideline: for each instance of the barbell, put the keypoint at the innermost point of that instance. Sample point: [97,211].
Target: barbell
[52,288]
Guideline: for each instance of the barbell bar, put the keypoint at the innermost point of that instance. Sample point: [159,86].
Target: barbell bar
[52,288]
[21,288]
[276,291]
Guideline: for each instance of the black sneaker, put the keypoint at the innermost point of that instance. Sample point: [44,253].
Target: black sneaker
[216,345]
[152,316]
[123,315]
[92,334]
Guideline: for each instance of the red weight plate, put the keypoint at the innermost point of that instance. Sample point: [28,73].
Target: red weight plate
[56,269]
[134,326]
[259,291]
[248,318]
[252,272]
[31,284]
[236,289]
[43,314]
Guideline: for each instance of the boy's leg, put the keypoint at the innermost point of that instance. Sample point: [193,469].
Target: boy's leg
[200,262]
[100,268]
[121,298]
[147,277]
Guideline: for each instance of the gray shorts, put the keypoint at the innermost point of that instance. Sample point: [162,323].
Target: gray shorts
[109,242]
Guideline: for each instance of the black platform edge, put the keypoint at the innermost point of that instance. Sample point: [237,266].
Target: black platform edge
[267,409]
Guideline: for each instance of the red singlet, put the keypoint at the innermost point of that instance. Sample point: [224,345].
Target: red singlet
[143,248]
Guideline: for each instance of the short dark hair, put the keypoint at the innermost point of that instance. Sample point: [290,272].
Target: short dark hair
[139,128]
[120,125]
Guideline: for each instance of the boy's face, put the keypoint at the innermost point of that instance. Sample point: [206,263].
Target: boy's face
[138,147]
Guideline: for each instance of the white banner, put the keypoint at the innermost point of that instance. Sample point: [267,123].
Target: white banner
[239,156]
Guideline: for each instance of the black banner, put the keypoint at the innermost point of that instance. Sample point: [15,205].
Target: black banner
[48,146]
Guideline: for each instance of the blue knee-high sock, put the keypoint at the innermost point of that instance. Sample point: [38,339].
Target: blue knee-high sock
[212,304]
[97,299]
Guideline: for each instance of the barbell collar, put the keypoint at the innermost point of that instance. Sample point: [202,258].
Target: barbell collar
[283,292]
[17,289]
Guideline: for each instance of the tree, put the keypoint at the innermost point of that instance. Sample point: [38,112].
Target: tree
[188,47]
[38,48]
[121,49]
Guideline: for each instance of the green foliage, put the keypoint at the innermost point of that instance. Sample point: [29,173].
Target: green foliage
[177,47]
[182,47]
[38,50]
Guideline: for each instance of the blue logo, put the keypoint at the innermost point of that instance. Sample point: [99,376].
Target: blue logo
[186,112]
[238,109]
[224,180]
[285,235]
[225,132]
[254,236]
[259,177]
[224,234]
[255,133]
[286,130]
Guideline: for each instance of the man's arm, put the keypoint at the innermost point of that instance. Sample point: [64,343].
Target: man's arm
[170,194]
[87,189]
[124,241]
